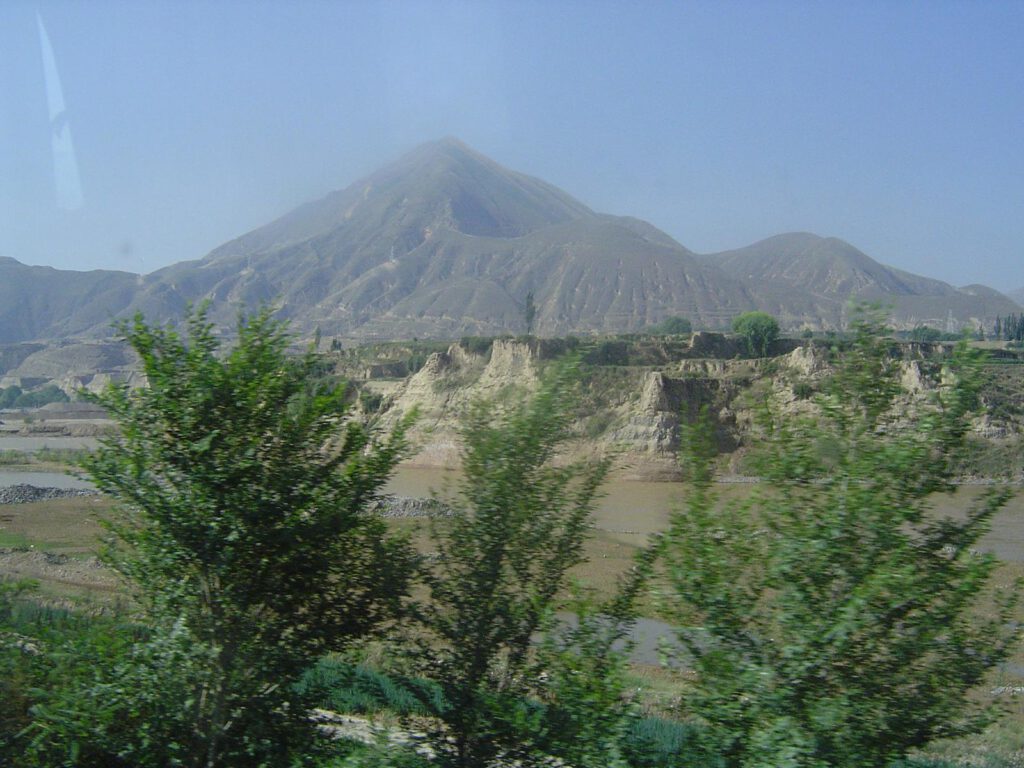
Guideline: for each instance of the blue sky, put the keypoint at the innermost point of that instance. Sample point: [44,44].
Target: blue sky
[896,126]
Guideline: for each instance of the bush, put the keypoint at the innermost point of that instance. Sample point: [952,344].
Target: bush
[242,486]
[37,398]
[672,326]
[9,395]
[477,345]
[652,742]
[925,334]
[803,390]
[370,401]
[608,352]
[758,330]
[839,623]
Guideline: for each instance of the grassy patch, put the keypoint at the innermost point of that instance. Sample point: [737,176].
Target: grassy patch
[55,459]
[68,525]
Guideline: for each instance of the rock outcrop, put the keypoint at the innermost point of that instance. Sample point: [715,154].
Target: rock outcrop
[637,411]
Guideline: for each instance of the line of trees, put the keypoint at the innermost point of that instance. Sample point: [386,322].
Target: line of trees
[836,620]
[1009,328]
[15,397]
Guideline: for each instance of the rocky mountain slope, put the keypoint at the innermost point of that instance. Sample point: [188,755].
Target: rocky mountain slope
[446,242]
[48,303]
[70,365]
[807,280]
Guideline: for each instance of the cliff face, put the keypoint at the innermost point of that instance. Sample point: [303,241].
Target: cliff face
[72,366]
[633,397]
[634,412]
[638,412]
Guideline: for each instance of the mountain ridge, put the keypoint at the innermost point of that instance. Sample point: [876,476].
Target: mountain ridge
[806,279]
[446,242]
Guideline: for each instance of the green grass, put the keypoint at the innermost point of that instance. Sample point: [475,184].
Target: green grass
[48,458]
[653,742]
[9,457]
[16,541]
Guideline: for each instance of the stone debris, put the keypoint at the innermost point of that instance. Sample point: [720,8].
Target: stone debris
[390,506]
[23,493]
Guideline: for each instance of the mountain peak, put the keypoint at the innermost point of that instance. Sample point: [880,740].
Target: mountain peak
[445,241]
[455,187]
[449,147]
[449,142]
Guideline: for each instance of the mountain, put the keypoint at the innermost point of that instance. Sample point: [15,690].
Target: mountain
[807,280]
[446,242]
[48,303]
[1017,295]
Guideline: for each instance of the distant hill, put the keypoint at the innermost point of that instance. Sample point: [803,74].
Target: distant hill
[807,280]
[1017,295]
[48,303]
[446,242]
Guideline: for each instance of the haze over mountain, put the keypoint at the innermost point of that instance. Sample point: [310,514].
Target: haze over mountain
[446,242]
[807,280]
[47,303]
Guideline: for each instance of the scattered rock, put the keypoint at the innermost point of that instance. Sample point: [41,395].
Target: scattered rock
[391,506]
[24,493]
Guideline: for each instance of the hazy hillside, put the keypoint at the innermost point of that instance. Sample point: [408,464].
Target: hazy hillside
[46,303]
[808,280]
[445,242]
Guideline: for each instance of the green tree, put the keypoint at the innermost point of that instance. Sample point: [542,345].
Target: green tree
[673,326]
[243,535]
[51,393]
[9,395]
[837,615]
[758,330]
[584,663]
[529,312]
[519,525]
[925,334]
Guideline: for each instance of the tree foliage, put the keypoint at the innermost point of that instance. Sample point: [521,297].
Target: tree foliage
[529,312]
[1009,328]
[519,525]
[242,534]
[837,614]
[14,397]
[925,333]
[758,330]
[673,326]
